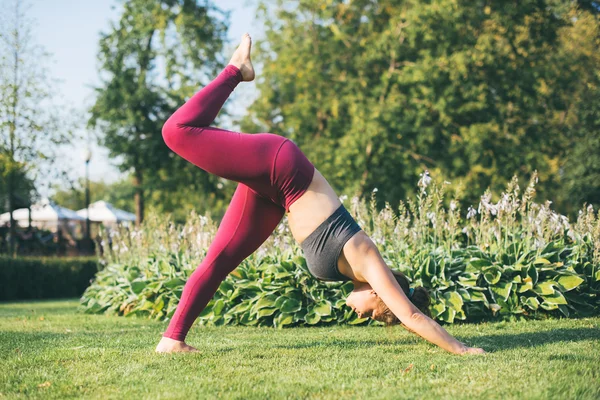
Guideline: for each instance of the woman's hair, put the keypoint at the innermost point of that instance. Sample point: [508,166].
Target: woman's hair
[420,298]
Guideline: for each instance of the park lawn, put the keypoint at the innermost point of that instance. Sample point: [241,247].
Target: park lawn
[49,349]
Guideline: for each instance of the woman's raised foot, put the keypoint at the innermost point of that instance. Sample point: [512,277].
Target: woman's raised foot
[241,58]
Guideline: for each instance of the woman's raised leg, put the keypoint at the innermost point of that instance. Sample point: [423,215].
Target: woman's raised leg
[247,223]
[241,157]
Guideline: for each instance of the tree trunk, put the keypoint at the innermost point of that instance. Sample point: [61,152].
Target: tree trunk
[138,181]
[11,207]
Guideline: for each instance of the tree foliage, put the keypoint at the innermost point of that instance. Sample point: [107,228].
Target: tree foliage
[158,54]
[29,134]
[375,92]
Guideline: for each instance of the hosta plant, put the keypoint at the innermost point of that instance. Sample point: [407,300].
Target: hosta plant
[508,259]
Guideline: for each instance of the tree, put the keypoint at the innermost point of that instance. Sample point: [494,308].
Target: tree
[28,134]
[151,60]
[375,92]
[23,188]
[581,165]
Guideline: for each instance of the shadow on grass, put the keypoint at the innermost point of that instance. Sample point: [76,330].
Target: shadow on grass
[490,343]
[47,306]
[533,339]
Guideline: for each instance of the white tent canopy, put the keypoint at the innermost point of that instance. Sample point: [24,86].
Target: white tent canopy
[45,212]
[106,213]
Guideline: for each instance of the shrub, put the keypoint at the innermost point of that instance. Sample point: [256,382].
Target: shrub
[45,278]
[510,259]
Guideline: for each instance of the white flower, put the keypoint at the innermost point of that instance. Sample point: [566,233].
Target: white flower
[425,180]
[485,203]
[472,212]
[453,205]
[375,190]
[343,198]
[431,215]
[281,228]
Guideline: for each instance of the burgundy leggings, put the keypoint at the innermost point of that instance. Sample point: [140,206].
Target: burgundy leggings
[272,173]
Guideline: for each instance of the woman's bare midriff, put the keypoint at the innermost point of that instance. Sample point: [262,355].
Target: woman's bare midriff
[312,208]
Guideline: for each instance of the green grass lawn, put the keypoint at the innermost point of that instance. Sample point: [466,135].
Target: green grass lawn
[48,349]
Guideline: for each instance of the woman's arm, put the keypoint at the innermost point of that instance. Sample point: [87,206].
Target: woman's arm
[366,262]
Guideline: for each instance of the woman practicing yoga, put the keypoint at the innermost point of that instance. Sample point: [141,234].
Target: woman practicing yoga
[273,177]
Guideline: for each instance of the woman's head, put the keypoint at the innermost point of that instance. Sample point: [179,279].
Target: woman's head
[365,302]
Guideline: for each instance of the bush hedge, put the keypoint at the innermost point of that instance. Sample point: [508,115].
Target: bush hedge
[507,260]
[27,278]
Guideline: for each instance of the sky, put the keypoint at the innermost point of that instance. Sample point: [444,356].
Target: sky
[70,30]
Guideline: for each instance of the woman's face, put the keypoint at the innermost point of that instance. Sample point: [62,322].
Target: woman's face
[364,302]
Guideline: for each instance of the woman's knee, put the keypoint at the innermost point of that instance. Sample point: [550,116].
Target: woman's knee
[172,134]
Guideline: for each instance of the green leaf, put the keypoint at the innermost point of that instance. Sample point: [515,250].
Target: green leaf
[280,300]
[159,304]
[265,312]
[533,274]
[569,282]
[282,275]
[527,285]
[323,309]
[312,318]
[502,290]
[544,288]
[357,321]
[284,319]
[492,275]
[240,308]
[267,301]
[478,296]
[448,315]
[479,263]
[464,293]
[564,309]
[218,307]
[530,302]
[291,306]
[548,306]
[174,282]
[542,260]
[438,308]
[138,286]
[468,280]
[555,298]
[453,300]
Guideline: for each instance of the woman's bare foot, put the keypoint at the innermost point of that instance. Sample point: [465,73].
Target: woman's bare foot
[168,345]
[241,58]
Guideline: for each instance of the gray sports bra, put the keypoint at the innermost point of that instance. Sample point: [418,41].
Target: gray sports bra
[323,246]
